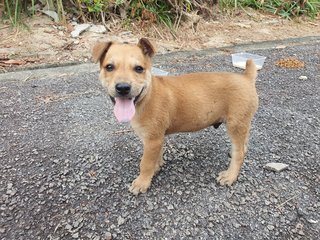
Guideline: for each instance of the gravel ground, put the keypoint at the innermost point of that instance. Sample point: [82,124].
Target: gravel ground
[67,165]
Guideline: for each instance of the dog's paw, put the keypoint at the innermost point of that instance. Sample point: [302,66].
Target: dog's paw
[140,185]
[227,177]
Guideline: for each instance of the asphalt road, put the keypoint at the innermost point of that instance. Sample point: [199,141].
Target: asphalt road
[66,164]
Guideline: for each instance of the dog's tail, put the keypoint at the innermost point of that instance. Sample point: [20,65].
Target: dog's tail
[251,70]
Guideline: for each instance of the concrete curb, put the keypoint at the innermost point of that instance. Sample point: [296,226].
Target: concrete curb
[77,68]
[241,47]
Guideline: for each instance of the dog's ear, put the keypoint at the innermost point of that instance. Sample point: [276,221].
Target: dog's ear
[99,49]
[146,47]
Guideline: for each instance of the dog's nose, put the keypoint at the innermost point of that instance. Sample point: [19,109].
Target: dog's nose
[123,88]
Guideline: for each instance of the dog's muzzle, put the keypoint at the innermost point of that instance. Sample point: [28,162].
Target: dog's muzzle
[124,102]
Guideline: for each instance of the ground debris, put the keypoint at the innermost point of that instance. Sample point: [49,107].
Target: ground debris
[303,78]
[290,62]
[276,167]
[78,29]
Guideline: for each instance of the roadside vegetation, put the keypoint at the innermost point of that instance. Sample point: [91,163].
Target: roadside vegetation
[165,12]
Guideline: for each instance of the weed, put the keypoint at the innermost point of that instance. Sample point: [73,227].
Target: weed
[165,12]
[12,11]
[284,8]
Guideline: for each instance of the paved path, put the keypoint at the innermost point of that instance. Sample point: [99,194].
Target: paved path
[66,165]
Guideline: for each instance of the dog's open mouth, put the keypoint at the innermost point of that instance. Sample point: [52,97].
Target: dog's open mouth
[124,107]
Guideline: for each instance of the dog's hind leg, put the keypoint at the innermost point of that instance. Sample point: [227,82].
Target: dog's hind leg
[245,145]
[246,142]
[160,161]
[149,165]
[238,134]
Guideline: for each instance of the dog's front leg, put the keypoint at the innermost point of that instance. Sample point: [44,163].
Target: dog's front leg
[149,165]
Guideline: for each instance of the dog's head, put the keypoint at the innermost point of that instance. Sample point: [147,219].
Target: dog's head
[125,71]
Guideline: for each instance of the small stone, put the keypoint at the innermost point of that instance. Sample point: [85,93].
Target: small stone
[75,235]
[77,223]
[211,232]
[89,235]
[170,207]
[276,167]
[312,221]
[270,227]
[281,46]
[78,29]
[2,230]
[68,227]
[243,25]
[107,236]
[303,77]
[42,189]
[51,14]
[227,205]
[98,29]
[150,207]
[121,220]
[236,225]
[93,227]
[11,192]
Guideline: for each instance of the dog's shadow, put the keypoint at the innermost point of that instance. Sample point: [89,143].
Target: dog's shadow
[196,155]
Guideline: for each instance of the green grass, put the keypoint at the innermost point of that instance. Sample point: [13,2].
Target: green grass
[15,9]
[285,8]
[164,12]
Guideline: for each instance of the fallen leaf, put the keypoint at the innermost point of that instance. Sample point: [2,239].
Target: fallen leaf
[92,173]
[14,62]
[314,24]
[4,58]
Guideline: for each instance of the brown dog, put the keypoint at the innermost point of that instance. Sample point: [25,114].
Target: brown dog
[157,106]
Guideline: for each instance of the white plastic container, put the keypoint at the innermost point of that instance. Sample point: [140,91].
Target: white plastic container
[239,60]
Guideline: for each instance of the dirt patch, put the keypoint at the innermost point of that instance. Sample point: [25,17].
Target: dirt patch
[45,42]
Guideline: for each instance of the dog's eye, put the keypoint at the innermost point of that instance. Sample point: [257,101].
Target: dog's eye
[110,67]
[138,69]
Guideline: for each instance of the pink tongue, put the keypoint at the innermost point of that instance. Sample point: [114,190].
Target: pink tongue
[124,109]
